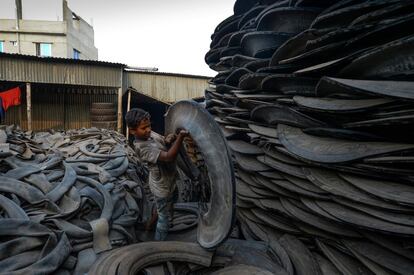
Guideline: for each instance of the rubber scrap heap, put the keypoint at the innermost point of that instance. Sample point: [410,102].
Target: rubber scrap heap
[316,101]
[66,197]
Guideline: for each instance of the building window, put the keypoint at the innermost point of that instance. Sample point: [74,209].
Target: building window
[1,46]
[14,43]
[44,49]
[76,54]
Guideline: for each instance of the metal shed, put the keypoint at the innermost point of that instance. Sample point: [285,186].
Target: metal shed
[57,92]
[167,87]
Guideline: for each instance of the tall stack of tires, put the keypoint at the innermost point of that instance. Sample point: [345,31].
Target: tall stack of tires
[309,94]
[103,115]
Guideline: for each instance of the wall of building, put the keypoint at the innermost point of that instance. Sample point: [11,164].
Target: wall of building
[31,32]
[80,35]
[167,87]
[62,89]
[33,26]
[64,35]
[57,107]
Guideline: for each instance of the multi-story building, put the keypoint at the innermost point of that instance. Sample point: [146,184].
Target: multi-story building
[67,36]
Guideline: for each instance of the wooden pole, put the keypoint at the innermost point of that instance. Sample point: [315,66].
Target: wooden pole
[29,106]
[120,110]
[128,108]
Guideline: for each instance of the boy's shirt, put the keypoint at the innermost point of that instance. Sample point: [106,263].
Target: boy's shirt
[162,175]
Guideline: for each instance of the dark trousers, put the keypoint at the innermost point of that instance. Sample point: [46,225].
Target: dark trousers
[165,209]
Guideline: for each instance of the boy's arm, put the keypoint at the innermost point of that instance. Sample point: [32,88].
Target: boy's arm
[175,148]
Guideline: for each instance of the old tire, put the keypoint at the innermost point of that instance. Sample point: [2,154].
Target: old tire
[103,112]
[130,259]
[216,224]
[104,124]
[98,118]
[103,105]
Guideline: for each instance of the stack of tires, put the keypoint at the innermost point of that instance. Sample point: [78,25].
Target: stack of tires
[103,115]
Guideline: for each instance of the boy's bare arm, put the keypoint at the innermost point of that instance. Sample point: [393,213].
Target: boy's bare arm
[175,148]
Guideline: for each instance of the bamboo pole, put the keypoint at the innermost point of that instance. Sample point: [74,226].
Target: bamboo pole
[119,110]
[29,106]
[128,108]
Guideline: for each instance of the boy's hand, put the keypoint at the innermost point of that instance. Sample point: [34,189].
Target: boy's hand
[169,139]
[183,133]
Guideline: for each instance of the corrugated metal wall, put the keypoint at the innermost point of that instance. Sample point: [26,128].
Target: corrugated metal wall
[167,88]
[41,71]
[59,107]
[62,90]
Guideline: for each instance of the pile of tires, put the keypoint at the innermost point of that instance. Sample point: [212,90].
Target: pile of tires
[309,94]
[103,115]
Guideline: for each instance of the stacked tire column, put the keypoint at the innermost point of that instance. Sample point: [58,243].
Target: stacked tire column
[103,115]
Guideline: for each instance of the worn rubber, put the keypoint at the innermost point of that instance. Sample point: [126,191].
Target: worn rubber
[215,225]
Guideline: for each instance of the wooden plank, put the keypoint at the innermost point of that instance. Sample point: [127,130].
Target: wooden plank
[29,106]
[128,108]
[120,110]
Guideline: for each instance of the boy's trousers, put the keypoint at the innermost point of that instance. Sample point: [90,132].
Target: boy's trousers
[165,209]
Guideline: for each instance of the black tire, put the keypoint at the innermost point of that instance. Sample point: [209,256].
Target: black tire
[99,118]
[131,259]
[103,105]
[102,112]
[104,124]
[216,225]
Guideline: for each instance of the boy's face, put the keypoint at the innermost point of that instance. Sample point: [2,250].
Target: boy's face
[143,130]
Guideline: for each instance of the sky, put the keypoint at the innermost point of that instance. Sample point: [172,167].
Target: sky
[171,35]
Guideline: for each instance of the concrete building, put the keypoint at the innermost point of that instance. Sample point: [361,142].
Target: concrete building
[68,36]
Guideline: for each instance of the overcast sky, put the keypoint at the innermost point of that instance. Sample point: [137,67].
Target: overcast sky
[172,35]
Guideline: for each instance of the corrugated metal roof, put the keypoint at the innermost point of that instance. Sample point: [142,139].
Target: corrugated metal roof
[129,70]
[62,60]
[19,68]
[166,87]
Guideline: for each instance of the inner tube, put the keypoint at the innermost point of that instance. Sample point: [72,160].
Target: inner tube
[217,222]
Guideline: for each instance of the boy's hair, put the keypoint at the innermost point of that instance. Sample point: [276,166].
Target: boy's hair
[134,117]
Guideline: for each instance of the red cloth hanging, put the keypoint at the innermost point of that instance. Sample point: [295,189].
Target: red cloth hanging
[11,97]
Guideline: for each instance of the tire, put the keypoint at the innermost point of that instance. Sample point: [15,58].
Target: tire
[103,105]
[131,259]
[105,124]
[215,226]
[99,118]
[102,112]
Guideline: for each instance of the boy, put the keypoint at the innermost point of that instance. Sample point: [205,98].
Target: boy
[151,149]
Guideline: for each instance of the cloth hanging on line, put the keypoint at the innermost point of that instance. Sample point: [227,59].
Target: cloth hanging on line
[10,97]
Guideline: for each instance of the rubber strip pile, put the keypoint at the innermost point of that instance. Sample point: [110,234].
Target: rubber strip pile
[315,99]
[70,198]
[66,197]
